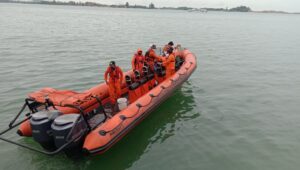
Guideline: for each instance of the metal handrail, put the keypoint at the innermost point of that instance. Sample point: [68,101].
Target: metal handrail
[13,125]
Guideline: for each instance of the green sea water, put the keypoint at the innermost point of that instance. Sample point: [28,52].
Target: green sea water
[238,111]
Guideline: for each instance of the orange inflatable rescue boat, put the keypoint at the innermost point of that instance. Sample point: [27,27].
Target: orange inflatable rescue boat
[86,122]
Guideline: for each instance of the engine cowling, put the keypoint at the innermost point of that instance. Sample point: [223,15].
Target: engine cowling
[68,127]
[41,127]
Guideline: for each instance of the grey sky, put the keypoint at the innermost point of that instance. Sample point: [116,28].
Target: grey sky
[280,5]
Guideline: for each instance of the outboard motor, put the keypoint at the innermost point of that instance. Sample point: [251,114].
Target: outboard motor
[68,127]
[41,127]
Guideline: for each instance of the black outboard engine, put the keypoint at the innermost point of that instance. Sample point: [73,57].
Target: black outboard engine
[68,127]
[41,127]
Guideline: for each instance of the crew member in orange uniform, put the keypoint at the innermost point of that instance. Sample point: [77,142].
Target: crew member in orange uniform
[170,63]
[166,48]
[138,60]
[114,82]
[151,57]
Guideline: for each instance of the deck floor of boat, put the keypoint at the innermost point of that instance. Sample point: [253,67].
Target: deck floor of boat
[96,120]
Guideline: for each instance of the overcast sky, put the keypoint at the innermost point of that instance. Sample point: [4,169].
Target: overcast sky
[280,5]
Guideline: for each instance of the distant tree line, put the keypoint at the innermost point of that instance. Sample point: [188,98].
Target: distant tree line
[236,9]
[126,5]
[240,9]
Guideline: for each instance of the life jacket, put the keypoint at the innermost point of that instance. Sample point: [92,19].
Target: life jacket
[113,74]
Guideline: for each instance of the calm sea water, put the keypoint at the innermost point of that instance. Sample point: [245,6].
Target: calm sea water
[239,111]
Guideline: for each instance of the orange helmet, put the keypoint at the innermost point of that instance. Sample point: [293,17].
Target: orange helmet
[139,50]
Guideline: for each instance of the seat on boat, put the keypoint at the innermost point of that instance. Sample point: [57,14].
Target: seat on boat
[144,85]
[59,97]
[150,76]
[134,86]
[143,80]
[151,81]
[160,70]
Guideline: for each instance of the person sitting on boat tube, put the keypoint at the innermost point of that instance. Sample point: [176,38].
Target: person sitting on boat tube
[138,60]
[114,82]
[169,63]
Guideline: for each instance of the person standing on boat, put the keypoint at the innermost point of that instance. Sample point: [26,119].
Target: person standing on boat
[114,81]
[169,63]
[154,61]
[151,57]
[138,60]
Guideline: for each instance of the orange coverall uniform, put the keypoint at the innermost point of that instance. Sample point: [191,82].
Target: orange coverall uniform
[170,65]
[137,62]
[150,57]
[114,83]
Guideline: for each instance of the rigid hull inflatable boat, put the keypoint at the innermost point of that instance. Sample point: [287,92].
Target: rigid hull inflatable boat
[72,122]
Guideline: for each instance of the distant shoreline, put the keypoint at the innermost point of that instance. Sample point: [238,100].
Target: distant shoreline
[151,6]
